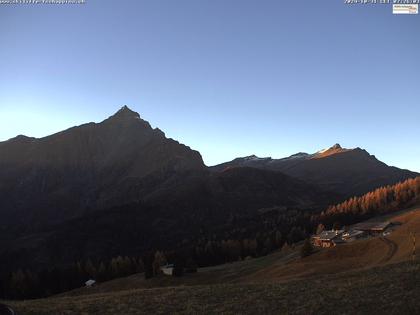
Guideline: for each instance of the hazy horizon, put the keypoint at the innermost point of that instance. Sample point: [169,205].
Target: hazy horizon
[228,79]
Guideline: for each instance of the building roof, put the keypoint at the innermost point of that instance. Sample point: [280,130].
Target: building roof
[168,266]
[329,235]
[353,233]
[90,282]
[371,226]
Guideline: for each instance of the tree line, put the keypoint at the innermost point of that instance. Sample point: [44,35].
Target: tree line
[380,201]
[272,231]
[27,284]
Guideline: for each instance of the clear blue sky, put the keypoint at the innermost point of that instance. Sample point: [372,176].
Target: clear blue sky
[226,77]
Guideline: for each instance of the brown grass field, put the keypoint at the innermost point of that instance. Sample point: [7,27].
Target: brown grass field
[363,277]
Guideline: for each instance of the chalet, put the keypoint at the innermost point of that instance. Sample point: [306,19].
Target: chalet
[328,238]
[167,269]
[372,228]
[90,283]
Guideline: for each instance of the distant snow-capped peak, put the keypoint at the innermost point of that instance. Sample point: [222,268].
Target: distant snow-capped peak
[255,158]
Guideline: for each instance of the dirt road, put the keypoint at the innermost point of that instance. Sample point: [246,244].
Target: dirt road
[6,310]
[392,249]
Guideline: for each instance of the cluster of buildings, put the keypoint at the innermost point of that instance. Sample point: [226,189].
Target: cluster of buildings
[361,230]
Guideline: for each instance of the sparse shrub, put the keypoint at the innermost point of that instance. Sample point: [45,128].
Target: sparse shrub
[179,266]
[336,226]
[306,249]
[320,228]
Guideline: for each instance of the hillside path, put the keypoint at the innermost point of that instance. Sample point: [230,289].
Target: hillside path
[6,310]
[392,249]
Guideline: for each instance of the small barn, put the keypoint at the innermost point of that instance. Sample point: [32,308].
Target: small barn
[167,269]
[328,238]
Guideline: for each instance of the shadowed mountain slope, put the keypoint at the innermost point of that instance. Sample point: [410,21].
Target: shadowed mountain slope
[61,175]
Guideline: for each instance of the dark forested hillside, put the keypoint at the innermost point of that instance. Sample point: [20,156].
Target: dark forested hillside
[209,218]
[180,209]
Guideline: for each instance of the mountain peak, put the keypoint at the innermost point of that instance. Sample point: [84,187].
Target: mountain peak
[126,112]
[335,149]
[127,117]
[21,138]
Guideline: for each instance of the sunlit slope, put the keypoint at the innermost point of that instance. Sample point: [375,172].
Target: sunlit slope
[402,236]
[395,247]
